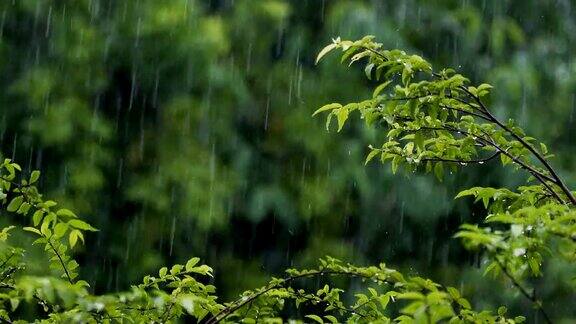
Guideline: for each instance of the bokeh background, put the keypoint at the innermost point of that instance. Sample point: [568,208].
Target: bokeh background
[183,128]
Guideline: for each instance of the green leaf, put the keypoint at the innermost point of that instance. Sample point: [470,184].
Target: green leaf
[467,192]
[37,217]
[505,159]
[203,270]
[315,318]
[464,303]
[45,229]
[380,88]
[66,212]
[330,106]
[483,89]
[395,164]
[371,155]
[411,295]
[176,269]
[368,70]
[328,120]
[80,235]
[439,171]
[490,268]
[453,292]
[60,229]
[325,51]
[76,223]
[14,302]
[24,208]
[32,229]
[342,116]
[15,204]
[191,263]
[73,238]
[34,176]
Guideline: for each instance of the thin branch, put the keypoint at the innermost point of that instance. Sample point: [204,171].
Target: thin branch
[531,297]
[479,161]
[61,260]
[7,259]
[405,98]
[460,100]
[483,141]
[557,180]
[549,188]
[465,112]
[220,316]
[541,177]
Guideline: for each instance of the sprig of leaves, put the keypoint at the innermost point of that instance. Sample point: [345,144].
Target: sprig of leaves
[414,299]
[435,120]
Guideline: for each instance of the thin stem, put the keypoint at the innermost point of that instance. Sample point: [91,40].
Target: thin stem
[465,112]
[531,297]
[490,142]
[61,260]
[479,161]
[541,177]
[6,260]
[557,180]
[241,302]
[406,98]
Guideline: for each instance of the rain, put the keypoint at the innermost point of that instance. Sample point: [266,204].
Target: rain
[166,131]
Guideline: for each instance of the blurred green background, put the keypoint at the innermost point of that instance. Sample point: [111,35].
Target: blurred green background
[183,128]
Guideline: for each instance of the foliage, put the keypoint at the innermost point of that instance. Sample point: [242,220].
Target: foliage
[434,120]
[176,292]
[186,123]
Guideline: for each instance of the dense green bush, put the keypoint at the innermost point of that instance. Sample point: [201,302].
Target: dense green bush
[435,121]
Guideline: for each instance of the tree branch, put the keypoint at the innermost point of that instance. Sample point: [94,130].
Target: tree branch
[556,178]
[241,302]
[531,297]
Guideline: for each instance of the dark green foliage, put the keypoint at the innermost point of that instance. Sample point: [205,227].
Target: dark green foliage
[432,119]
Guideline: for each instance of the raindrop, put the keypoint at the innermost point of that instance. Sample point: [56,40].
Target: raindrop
[249,57]
[120,167]
[172,231]
[401,219]
[266,117]
[48,21]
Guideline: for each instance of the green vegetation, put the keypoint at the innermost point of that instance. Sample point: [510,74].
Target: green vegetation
[182,128]
[433,119]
